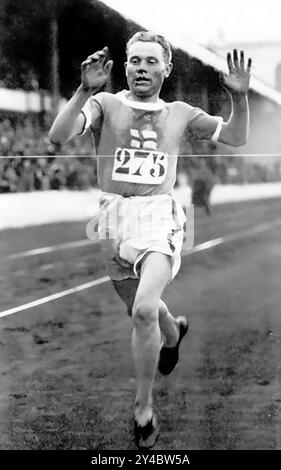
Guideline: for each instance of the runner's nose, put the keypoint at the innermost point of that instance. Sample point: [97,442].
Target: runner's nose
[141,66]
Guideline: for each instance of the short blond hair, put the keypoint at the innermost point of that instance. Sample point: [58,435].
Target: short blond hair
[148,36]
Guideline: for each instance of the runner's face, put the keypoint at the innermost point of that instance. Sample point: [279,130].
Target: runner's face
[146,69]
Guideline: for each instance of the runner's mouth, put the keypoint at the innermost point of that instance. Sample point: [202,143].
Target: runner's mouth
[142,80]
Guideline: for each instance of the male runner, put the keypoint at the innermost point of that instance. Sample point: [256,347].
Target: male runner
[140,136]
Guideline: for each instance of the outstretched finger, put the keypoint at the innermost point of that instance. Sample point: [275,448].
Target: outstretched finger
[103,55]
[105,50]
[85,63]
[93,58]
[229,62]
[99,56]
[249,65]
[108,66]
[235,58]
[242,61]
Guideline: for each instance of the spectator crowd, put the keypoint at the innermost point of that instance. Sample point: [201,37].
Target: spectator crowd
[33,163]
[44,169]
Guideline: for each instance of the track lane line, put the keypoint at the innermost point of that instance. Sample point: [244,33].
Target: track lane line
[81,243]
[197,248]
[75,244]
[56,296]
[49,249]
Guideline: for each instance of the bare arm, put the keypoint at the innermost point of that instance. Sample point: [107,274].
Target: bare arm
[235,131]
[70,120]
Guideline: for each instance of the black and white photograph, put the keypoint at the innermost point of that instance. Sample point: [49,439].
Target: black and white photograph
[140,227]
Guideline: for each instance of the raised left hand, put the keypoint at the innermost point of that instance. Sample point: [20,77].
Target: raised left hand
[238,79]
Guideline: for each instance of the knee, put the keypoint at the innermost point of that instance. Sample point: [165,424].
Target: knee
[145,314]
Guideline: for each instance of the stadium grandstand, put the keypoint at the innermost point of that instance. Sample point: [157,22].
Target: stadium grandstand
[26,114]
[67,379]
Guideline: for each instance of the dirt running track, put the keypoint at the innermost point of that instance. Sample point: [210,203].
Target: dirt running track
[66,372]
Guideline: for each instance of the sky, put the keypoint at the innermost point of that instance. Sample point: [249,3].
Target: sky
[211,21]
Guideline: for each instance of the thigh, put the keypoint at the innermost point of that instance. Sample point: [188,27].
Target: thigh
[156,272]
[126,289]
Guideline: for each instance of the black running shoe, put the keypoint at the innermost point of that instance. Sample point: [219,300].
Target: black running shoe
[146,436]
[169,357]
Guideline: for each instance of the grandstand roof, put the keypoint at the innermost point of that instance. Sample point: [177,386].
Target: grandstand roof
[23,101]
[177,35]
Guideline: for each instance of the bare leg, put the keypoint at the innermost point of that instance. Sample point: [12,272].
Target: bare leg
[155,273]
[127,289]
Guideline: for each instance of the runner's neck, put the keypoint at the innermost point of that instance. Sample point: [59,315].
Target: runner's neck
[126,98]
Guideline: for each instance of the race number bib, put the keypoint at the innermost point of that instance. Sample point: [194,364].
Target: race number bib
[140,166]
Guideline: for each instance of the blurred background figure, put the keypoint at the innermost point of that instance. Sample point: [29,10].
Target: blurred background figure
[202,184]
[202,174]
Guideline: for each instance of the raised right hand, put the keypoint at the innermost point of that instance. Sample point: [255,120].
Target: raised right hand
[95,70]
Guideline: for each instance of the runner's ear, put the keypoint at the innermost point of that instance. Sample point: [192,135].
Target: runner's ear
[169,68]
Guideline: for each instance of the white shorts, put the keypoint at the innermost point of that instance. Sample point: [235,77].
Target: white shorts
[133,226]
